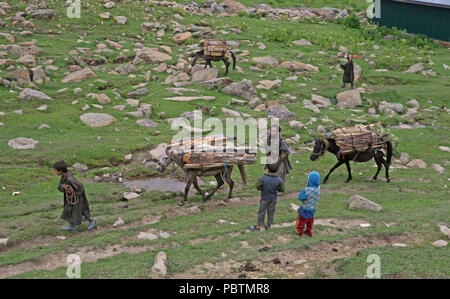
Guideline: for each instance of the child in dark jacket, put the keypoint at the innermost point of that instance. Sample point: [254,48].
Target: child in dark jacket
[269,184]
[309,197]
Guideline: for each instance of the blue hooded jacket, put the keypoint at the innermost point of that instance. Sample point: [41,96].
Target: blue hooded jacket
[310,196]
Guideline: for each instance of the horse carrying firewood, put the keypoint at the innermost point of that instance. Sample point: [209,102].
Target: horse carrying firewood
[359,144]
[205,160]
[214,50]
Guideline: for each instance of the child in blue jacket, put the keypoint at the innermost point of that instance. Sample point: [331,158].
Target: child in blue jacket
[309,197]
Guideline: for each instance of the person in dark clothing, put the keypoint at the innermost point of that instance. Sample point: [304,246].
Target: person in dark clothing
[269,184]
[76,207]
[349,75]
[283,165]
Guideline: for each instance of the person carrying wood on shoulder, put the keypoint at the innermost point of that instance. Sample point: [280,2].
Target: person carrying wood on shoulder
[349,74]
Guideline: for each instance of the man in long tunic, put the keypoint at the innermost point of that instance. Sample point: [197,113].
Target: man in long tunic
[76,207]
[349,74]
[283,164]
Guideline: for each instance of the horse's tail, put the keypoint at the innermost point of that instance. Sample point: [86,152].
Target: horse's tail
[234,60]
[243,174]
[389,152]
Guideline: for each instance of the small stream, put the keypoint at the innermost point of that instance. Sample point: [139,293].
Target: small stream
[159,184]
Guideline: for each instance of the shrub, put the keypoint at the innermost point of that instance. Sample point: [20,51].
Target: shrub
[352,21]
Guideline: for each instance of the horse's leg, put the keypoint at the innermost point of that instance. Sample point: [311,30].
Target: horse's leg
[219,184]
[207,62]
[230,183]
[227,64]
[186,190]
[198,188]
[347,163]
[386,165]
[380,165]
[339,163]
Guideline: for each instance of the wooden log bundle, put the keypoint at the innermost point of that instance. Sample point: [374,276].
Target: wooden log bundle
[358,139]
[215,48]
[213,152]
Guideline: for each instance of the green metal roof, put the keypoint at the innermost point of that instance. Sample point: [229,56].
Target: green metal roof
[437,3]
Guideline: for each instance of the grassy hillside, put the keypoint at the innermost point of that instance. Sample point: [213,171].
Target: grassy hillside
[207,244]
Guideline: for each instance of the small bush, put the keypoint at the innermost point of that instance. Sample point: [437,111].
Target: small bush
[352,21]
[279,34]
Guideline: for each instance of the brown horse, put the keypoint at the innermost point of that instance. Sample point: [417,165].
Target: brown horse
[200,54]
[329,144]
[220,173]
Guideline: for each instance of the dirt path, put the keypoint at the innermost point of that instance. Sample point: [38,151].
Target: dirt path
[294,263]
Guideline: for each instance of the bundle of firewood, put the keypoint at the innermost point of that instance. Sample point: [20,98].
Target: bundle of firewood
[215,151]
[215,48]
[357,139]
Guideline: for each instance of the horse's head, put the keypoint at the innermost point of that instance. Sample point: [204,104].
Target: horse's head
[320,147]
[164,161]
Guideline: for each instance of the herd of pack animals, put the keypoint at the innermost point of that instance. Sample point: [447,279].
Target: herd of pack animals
[321,146]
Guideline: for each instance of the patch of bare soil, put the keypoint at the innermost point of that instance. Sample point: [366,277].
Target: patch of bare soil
[294,263]
[59,259]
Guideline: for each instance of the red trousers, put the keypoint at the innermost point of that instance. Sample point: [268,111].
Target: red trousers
[300,225]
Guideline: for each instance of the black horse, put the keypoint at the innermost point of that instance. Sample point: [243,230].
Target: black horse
[200,54]
[329,144]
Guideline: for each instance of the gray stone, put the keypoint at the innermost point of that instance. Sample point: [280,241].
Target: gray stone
[242,88]
[417,163]
[97,119]
[404,158]
[160,267]
[138,93]
[280,112]
[20,143]
[31,94]
[440,243]
[146,123]
[80,167]
[357,202]
[349,99]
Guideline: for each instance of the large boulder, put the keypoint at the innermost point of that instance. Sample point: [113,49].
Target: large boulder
[79,76]
[242,88]
[200,73]
[349,99]
[20,143]
[181,37]
[97,119]
[280,112]
[232,6]
[150,56]
[357,202]
[222,82]
[390,108]
[31,94]
[320,101]
[299,66]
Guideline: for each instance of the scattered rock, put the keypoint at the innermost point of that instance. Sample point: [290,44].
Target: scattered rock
[97,119]
[299,66]
[20,143]
[440,243]
[417,163]
[31,94]
[404,158]
[242,88]
[266,60]
[280,112]
[130,195]
[157,152]
[146,123]
[415,68]
[80,167]
[119,222]
[194,210]
[438,168]
[357,202]
[79,76]
[349,99]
